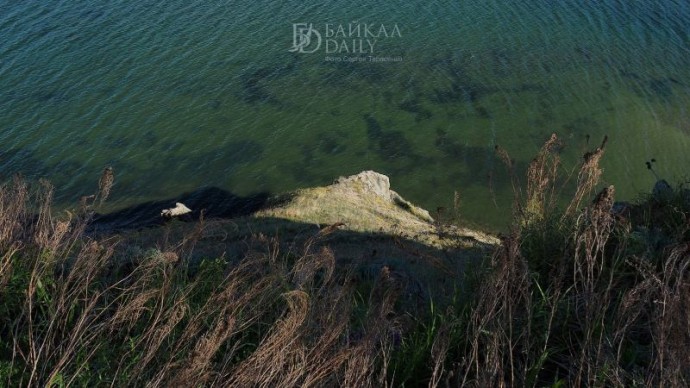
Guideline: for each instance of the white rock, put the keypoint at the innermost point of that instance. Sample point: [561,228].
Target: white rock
[371,181]
[178,210]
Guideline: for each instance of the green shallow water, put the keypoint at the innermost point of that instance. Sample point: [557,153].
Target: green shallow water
[179,95]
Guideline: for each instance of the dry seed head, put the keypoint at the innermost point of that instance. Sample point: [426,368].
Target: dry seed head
[105,183]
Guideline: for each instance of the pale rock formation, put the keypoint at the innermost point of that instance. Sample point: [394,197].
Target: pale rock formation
[178,210]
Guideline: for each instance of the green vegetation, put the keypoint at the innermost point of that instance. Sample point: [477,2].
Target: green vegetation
[575,294]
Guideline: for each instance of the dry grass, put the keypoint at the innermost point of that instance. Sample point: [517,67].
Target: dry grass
[574,296]
[571,301]
[74,314]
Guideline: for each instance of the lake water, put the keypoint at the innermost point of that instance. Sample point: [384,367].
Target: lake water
[242,95]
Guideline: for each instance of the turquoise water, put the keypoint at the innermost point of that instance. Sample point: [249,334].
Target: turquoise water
[176,95]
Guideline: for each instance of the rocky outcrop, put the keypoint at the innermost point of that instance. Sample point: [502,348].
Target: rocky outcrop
[358,220]
[378,184]
[365,203]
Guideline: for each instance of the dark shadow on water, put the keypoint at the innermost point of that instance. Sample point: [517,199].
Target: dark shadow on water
[15,160]
[27,163]
[72,179]
[213,201]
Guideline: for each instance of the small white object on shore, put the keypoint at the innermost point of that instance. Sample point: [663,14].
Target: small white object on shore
[178,210]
